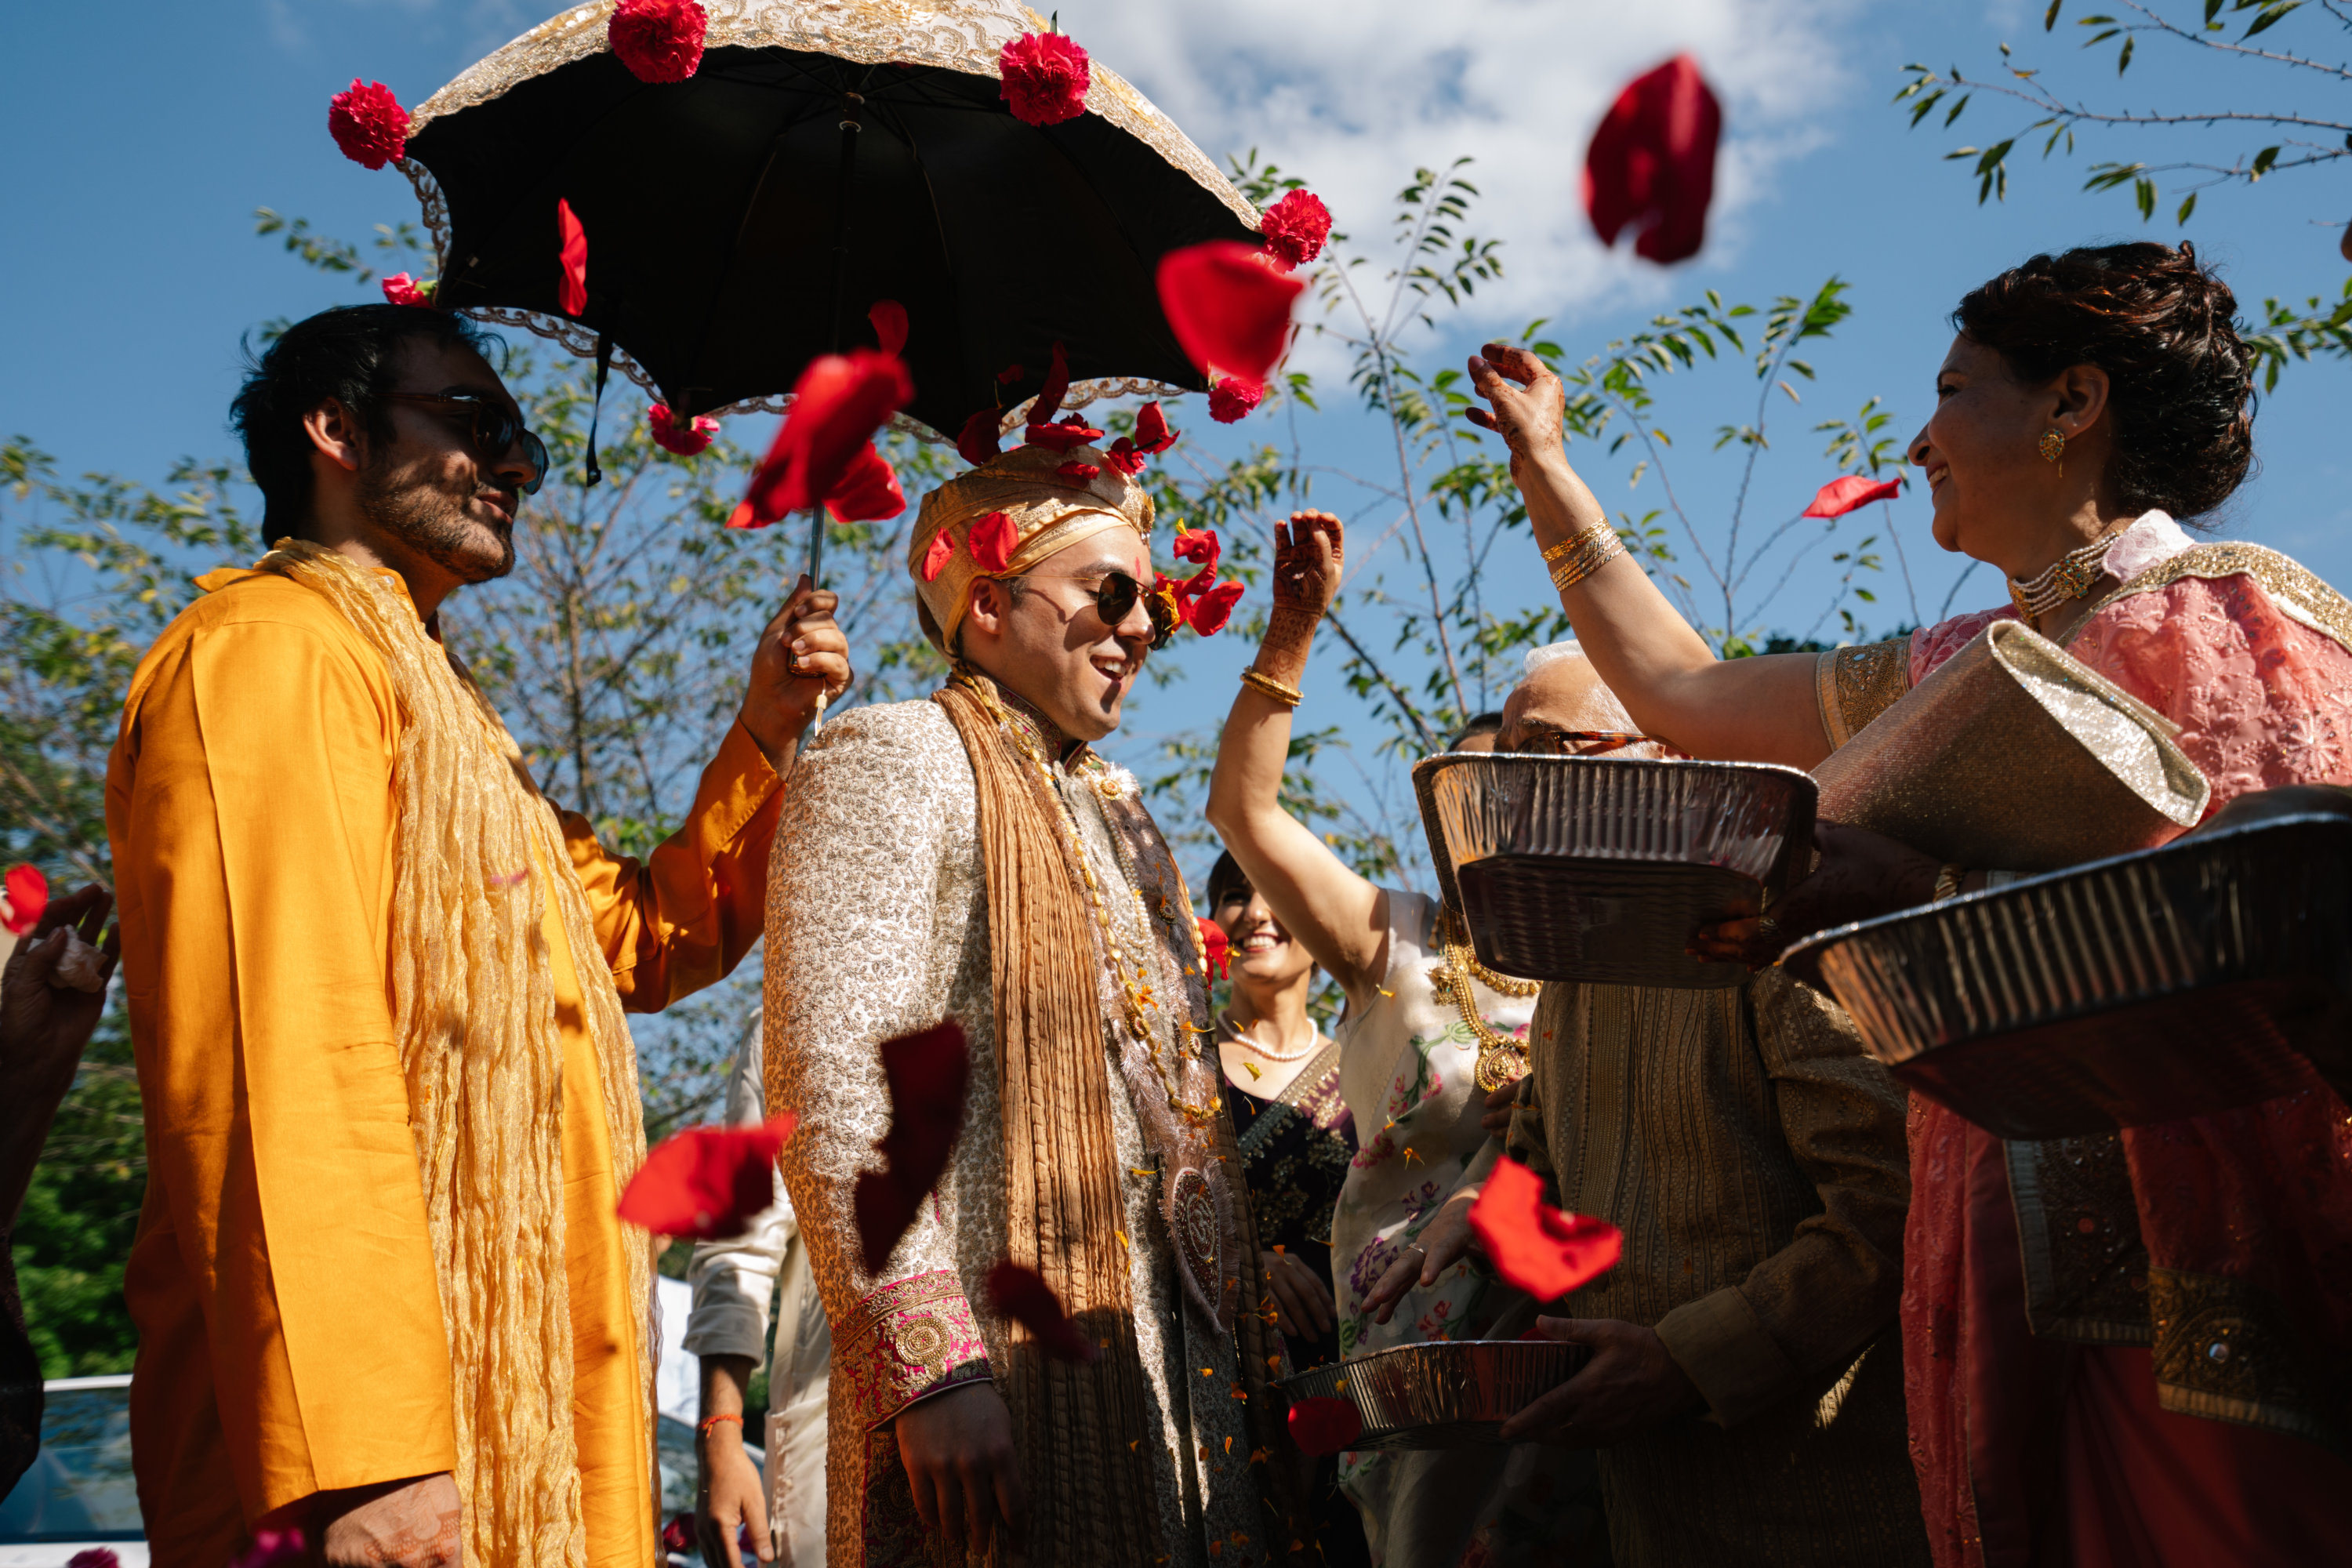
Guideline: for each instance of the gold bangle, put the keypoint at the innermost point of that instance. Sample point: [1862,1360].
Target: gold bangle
[1948,883]
[1289,696]
[1597,547]
[1565,545]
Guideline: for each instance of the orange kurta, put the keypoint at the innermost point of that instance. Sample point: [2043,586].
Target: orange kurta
[289,1318]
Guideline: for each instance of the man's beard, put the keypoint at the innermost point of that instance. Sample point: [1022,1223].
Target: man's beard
[430,522]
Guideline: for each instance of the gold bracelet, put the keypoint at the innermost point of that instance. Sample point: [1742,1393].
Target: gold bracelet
[1565,545]
[1597,547]
[1289,696]
[1948,883]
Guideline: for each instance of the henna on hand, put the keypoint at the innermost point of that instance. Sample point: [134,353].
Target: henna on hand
[1527,400]
[1308,553]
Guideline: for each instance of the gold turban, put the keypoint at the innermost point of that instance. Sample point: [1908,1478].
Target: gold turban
[1048,512]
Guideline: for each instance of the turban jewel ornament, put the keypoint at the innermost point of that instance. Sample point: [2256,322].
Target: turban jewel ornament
[1652,162]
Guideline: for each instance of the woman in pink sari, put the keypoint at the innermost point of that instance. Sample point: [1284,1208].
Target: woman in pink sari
[2130,1349]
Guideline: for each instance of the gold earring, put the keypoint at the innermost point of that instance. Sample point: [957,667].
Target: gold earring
[2054,444]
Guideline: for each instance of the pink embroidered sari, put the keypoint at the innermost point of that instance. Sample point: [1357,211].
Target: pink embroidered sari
[2188,1417]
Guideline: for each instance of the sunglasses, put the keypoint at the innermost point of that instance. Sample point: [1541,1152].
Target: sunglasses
[1586,743]
[1115,598]
[494,429]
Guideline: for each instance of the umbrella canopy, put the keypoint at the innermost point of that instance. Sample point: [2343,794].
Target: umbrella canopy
[714,207]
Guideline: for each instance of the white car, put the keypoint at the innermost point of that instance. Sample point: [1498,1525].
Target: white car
[79,1495]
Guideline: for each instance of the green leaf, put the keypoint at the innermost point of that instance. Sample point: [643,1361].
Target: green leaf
[2272,15]
[2263,162]
[2123,60]
[2188,205]
[2145,189]
[2050,17]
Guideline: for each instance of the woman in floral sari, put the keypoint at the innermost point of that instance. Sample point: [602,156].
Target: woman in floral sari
[2127,1348]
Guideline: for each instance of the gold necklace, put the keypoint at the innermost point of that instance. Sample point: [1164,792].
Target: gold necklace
[2072,576]
[1134,981]
[1234,1033]
[1501,1057]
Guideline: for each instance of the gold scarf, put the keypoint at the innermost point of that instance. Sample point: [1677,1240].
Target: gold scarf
[477,857]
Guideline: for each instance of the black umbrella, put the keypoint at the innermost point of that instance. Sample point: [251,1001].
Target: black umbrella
[823,156]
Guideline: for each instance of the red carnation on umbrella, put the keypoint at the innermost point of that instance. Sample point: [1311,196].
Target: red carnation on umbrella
[1534,1246]
[838,404]
[658,40]
[1217,946]
[368,123]
[28,897]
[1022,1295]
[708,1183]
[400,289]
[1229,307]
[1233,399]
[1045,77]
[686,438]
[1295,229]
[1652,162]
[1840,497]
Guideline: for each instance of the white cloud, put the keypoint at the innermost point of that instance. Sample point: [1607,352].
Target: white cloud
[1353,94]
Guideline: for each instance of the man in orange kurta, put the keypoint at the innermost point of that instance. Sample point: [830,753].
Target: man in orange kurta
[294,1367]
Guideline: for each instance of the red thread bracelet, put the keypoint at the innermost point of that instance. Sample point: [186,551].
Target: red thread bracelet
[709,1422]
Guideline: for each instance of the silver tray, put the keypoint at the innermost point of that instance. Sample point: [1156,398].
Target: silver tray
[1599,868]
[1452,1393]
[2174,981]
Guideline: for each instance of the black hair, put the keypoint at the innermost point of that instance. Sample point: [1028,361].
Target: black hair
[2180,381]
[1482,724]
[347,353]
[1224,876]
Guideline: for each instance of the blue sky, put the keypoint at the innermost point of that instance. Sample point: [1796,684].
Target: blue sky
[136,150]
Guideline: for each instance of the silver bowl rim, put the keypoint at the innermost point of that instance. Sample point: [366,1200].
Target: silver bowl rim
[1425,780]
[2189,845]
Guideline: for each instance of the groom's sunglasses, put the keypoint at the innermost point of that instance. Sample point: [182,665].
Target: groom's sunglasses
[1115,598]
[493,427]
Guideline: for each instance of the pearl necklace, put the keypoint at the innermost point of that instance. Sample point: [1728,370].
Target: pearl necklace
[2072,576]
[1233,1032]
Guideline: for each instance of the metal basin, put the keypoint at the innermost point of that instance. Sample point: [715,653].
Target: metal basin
[1446,1394]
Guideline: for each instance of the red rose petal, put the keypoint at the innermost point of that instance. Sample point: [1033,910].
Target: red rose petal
[838,404]
[1122,455]
[1233,399]
[658,40]
[574,298]
[400,289]
[1045,77]
[1295,229]
[1068,435]
[1022,1295]
[1009,374]
[1322,1426]
[993,540]
[1218,947]
[1209,613]
[1652,162]
[1229,310]
[29,898]
[1078,473]
[1151,432]
[982,437]
[368,123]
[677,1535]
[942,551]
[889,319]
[706,1182]
[694,435]
[1198,546]
[1534,1246]
[1056,388]
[868,492]
[927,1073]
[1840,497]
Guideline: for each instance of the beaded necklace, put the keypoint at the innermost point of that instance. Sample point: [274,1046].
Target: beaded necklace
[2071,577]
[1138,1000]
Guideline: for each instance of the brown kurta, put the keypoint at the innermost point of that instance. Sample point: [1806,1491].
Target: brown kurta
[1754,1160]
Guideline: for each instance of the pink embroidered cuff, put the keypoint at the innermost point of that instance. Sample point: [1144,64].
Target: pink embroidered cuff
[908,1339]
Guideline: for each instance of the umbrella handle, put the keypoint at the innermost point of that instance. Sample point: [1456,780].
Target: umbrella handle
[816,579]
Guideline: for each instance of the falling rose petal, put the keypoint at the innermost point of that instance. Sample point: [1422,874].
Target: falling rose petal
[993,540]
[982,437]
[272,1548]
[1198,546]
[677,1535]
[1230,309]
[1322,1426]
[868,492]
[1123,455]
[1652,162]
[927,1072]
[1534,1246]
[1218,947]
[574,296]
[838,404]
[708,1183]
[936,559]
[685,438]
[400,289]
[1022,1295]
[96,1557]
[1233,399]
[1056,388]
[1151,432]
[1078,473]
[1210,611]
[1295,229]
[658,40]
[1068,435]
[1840,497]
[889,319]
[1044,77]
[28,897]
[1009,374]
[368,123]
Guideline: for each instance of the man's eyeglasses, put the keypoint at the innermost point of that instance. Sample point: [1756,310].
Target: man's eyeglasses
[494,429]
[1115,598]
[1585,742]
